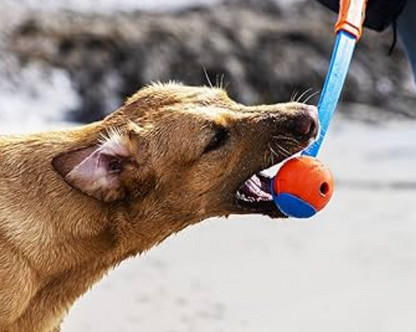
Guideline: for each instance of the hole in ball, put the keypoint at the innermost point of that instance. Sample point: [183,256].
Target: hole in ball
[324,189]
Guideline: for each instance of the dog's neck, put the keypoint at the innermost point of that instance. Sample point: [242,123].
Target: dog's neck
[50,233]
[42,211]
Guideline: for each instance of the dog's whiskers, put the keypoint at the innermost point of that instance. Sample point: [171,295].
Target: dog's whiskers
[207,77]
[311,96]
[298,100]
[282,151]
[283,138]
[220,81]
[294,95]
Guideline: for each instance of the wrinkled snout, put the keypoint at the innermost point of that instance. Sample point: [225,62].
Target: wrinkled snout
[306,122]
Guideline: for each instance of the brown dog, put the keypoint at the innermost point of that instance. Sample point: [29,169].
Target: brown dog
[75,203]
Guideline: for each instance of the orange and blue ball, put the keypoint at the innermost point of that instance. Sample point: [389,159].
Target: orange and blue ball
[302,187]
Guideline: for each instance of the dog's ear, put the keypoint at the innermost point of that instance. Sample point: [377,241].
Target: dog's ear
[96,171]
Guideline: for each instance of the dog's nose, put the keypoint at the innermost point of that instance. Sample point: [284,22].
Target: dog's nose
[307,123]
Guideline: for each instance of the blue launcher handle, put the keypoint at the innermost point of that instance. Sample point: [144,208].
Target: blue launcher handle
[334,82]
[296,196]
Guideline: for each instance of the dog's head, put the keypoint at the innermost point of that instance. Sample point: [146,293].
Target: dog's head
[189,152]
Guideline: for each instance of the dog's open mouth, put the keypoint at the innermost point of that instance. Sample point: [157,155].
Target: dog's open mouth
[255,196]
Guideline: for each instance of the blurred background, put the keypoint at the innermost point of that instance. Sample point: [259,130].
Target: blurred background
[351,268]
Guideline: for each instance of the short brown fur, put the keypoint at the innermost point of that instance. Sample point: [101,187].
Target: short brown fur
[56,241]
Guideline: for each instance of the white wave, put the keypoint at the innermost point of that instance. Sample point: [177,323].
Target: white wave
[35,97]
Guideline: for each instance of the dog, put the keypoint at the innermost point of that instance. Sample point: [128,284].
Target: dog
[75,203]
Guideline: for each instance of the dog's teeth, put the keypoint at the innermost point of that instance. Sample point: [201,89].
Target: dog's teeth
[271,171]
[255,189]
[256,180]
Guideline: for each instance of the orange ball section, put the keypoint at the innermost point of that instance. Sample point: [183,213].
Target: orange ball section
[306,178]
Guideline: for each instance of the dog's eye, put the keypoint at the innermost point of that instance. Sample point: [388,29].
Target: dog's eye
[218,139]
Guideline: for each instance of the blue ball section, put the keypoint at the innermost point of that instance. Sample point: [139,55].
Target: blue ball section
[293,206]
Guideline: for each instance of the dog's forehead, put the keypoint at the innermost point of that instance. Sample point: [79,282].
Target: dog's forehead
[210,113]
[161,104]
[173,93]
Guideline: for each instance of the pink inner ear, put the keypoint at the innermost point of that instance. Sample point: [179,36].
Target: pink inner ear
[96,176]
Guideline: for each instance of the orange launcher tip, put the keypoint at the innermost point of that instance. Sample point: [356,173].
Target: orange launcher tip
[351,17]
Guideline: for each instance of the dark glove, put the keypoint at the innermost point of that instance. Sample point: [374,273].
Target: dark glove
[380,13]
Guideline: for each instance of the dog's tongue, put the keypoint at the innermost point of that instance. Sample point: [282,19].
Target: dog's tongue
[256,189]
